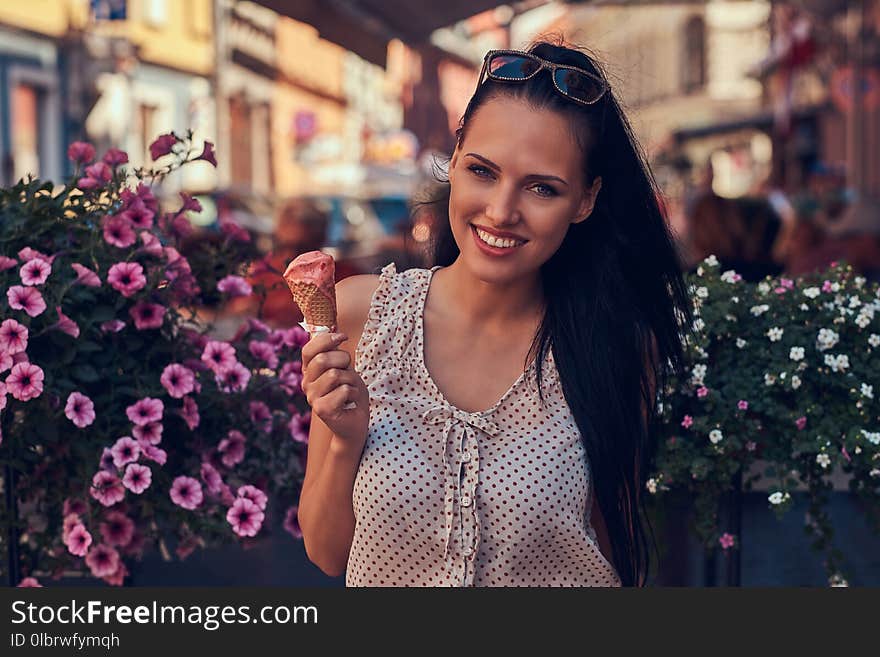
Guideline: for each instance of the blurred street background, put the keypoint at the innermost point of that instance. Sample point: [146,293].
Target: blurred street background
[761,120]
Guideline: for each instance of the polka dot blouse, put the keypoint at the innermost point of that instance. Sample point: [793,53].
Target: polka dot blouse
[445,497]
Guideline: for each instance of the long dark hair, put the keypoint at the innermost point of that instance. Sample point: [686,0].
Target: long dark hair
[617,307]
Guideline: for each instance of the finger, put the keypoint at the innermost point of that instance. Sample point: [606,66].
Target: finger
[320,342]
[333,404]
[329,381]
[337,358]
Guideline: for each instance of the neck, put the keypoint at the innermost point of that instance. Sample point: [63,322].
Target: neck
[488,306]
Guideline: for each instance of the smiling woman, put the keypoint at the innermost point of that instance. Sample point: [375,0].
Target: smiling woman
[506,409]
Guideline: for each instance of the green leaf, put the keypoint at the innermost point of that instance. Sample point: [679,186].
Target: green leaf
[103,314]
[86,373]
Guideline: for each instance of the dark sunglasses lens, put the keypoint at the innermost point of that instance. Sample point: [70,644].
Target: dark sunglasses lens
[512,66]
[577,85]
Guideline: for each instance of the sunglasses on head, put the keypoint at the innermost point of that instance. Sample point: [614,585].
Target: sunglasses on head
[516,66]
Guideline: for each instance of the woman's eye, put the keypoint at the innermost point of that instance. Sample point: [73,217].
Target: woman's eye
[480,171]
[544,190]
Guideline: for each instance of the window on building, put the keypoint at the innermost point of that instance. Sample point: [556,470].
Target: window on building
[27,117]
[156,12]
[240,136]
[148,128]
[694,57]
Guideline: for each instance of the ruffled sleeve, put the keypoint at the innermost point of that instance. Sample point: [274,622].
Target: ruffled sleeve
[367,352]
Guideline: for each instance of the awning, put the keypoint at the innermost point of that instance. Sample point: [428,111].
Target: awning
[366,26]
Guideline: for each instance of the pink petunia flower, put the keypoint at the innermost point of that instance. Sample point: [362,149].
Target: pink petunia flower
[245,517]
[275,340]
[296,337]
[106,461]
[156,454]
[234,379]
[80,409]
[219,356]
[291,522]
[261,416]
[74,505]
[687,422]
[726,541]
[147,315]
[27,299]
[787,283]
[150,434]
[106,488]
[117,578]
[208,154]
[85,276]
[35,272]
[125,450]
[30,583]
[7,263]
[152,245]
[27,253]
[139,215]
[254,494]
[231,448]
[801,422]
[702,391]
[190,413]
[103,560]
[145,410]
[65,324]
[235,286]
[117,529]
[112,326]
[742,405]
[163,145]
[13,337]
[127,278]
[211,477]
[186,492]
[25,381]
[265,352]
[827,286]
[78,540]
[97,175]
[118,232]
[190,204]
[234,231]
[299,427]
[81,152]
[6,361]
[115,157]
[290,377]
[137,478]
[177,380]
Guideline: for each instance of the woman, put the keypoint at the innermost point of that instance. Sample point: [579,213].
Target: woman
[505,399]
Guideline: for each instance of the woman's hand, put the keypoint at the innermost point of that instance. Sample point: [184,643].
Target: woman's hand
[330,383]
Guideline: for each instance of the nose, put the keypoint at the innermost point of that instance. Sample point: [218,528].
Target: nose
[503,208]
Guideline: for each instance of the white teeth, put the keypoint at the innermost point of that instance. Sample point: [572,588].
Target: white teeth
[491,240]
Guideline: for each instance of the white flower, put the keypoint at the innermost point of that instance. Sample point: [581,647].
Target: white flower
[812,292]
[769,379]
[730,276]
[837,363]
[858,450]
[804,306]
[715,436]
[740,343]
[823,459]
[859,281]
[874,340]
[863,320]
[702,292]
[796,353]
[698,374]
[759,310]
[711,261]
[835,287]
[872,437]
[874,473]
[854,302]
[699,324]
[651,485]
[779,497]
[734,299]
[699,271]
[867,391]
[795,381]
[827,339]
[837,581]
[763,288]
[775,334]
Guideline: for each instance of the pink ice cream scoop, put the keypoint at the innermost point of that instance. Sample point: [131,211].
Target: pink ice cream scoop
[311,278]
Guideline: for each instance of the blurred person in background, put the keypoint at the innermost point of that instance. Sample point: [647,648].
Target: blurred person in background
[739,232]
[555,269]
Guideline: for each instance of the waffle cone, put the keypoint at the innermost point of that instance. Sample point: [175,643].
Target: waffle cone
[317,308]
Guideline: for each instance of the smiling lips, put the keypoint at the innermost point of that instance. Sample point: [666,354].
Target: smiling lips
[504,241]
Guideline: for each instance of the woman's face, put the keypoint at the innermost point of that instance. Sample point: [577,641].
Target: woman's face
[516,181]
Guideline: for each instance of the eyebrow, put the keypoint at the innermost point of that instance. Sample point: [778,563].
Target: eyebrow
[490,163]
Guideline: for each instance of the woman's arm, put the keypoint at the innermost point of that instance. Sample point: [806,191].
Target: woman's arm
[326,514]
